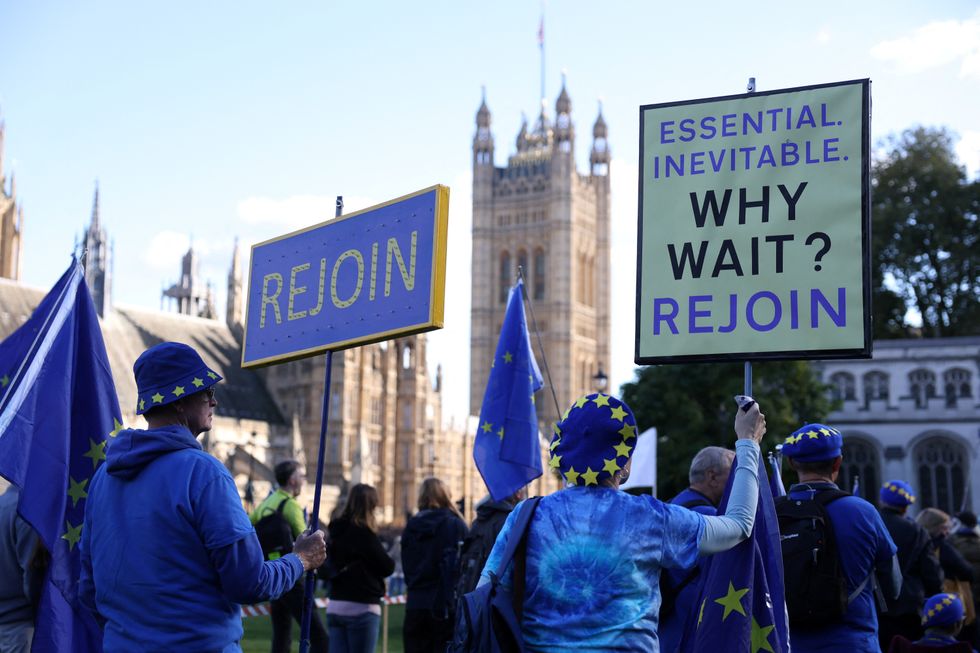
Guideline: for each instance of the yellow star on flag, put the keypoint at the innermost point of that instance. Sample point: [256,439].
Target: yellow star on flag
[4,381]
[142,404]
[212,375]
[701,611]
[611,466]
[760,637]
[601,400]
[73,534]
[487,427]
[618,413]
[581,402]
[76,490]
[555,461]
[157,398]
[571,475]
[732,601]
[197,383]
[622,449]
[591,478]
[96,452]
[555,443]
[508,357]
[501,433]
[178,390]
[564,415]
[116,427]
[557,429]
[627,432]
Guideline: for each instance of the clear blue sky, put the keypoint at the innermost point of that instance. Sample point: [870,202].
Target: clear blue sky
[211,120]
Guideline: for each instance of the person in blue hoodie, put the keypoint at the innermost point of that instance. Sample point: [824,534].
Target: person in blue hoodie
[167,552]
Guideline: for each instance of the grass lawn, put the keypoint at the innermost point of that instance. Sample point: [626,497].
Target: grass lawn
[258,632]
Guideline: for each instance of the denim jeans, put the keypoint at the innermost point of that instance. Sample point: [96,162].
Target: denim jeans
[353,634]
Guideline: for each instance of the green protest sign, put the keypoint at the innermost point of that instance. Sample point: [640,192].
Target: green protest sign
[754,226]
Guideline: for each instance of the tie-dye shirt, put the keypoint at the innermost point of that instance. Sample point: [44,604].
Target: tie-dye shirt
[593,568]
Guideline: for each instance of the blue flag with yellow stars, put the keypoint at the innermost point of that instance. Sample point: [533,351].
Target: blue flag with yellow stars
[507,450]
[58,406]
[742,606]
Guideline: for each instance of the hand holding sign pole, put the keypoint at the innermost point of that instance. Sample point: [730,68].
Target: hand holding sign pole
[369,276]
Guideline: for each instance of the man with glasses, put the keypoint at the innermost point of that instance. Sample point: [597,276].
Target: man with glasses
[167,551]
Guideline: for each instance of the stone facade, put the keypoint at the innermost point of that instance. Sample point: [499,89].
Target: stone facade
[911,412]
[11,223]
[542,215]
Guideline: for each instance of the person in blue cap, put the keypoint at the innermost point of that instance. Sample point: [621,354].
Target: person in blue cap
[594,554]
[167,550]
[943,617]
[865,549]
[921,572]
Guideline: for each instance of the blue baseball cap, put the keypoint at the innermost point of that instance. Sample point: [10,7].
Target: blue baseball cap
[813,443]
[168,371]
[942,610]
[594,439]
[896,493]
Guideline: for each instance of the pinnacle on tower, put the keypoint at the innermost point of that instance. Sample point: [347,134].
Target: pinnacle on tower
[483,140]
[600,156]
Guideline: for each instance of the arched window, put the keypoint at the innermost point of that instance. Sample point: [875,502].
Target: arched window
[861,463]
[842,386]
[956,383]
[942,472]
[406,357]
[875,386]
[505,277]
[539,272]
[922,385]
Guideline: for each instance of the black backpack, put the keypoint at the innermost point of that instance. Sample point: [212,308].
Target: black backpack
[816,589]
[669,589]
[488,619]
[275,534]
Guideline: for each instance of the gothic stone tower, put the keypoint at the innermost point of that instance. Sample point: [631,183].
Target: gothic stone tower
[540,213]
[11,223]
[97,260]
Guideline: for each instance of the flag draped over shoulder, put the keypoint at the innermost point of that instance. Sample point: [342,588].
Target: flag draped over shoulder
[58,405]
[741,606]
[507,449]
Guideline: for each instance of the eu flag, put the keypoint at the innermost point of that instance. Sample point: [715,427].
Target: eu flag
[776,478]
[507,450]
[741,607]
[57,408]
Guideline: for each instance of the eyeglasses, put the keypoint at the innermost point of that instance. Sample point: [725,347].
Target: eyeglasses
[209,395]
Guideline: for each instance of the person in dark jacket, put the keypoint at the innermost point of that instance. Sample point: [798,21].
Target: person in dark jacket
[167,551]
[921,573]
[966,540]
[430,546]
[357,568]
[490,518]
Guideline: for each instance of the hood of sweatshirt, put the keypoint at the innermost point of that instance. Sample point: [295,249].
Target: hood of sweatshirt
[133,449]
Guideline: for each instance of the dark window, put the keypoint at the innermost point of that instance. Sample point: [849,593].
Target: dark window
[942,471]
[842,386]
[539,273]
[505,277]
[922,385]
[861,463]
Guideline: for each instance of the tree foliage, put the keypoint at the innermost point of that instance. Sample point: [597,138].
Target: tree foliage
[692,407]
[925,237]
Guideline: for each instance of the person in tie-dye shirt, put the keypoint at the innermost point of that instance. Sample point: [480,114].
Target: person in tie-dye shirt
[594,554]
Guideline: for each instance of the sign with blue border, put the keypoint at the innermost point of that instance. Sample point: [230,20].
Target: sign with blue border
[372,275]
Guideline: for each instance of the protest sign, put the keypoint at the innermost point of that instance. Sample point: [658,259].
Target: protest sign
[754,226]
[368,276]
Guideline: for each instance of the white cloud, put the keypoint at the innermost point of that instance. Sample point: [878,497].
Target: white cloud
[165,249]
[938,43]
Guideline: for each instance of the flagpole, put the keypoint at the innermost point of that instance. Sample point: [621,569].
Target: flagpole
[534,325]
[304,632]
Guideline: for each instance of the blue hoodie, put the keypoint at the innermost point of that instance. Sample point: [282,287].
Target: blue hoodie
[167,550]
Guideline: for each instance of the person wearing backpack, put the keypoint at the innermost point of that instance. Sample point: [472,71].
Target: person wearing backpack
[921,573]
[490,518]
[708,476]
[278,522]
[430,547]
[835,549]
[593,555]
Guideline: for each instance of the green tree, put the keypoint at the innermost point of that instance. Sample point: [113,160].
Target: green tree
[692,407]
[925,237]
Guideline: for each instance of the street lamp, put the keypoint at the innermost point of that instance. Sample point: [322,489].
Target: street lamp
[599,379]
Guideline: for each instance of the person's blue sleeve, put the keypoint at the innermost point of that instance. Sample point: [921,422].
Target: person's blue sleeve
[247,578]
[725,531]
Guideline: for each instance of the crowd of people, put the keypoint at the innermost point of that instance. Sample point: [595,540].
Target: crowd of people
[602,569]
